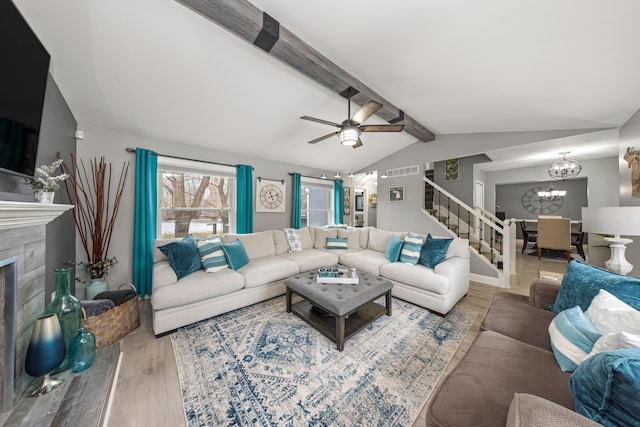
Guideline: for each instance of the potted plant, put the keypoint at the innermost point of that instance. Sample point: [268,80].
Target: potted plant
[44,184]
[95,214]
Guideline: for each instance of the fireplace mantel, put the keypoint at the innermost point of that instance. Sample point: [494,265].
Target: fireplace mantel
[26,214]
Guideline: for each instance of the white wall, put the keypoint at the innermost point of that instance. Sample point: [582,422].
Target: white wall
[629,137]
[112,144]
[444,147]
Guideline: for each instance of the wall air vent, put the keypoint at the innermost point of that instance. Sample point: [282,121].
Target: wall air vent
[409,170]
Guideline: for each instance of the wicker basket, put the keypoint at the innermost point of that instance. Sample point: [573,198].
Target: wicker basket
[114,324]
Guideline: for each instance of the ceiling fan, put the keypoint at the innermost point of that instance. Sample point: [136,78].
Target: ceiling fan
[352,127]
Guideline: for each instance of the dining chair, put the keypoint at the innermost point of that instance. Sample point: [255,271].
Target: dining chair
[527,236]
[554,233]
[577,240]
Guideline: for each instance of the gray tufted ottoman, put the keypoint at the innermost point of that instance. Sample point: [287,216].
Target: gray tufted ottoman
[351,306]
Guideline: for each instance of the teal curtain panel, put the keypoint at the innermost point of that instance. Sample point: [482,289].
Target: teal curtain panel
[145,216]
[244,211]
[296,203]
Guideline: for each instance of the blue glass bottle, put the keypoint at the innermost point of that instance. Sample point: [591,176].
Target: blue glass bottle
[82,351]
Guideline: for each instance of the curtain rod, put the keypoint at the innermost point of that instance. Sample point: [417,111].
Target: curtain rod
[132,150]
[316,177]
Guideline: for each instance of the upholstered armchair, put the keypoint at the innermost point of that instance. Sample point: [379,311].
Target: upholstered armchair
[554,233]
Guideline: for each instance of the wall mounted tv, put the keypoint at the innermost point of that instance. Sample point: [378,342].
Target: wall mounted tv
[23,80]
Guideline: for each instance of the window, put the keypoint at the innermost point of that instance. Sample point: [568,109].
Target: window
[195,198]
[317,203]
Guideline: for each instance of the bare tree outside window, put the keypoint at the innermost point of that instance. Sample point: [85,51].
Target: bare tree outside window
[195,204]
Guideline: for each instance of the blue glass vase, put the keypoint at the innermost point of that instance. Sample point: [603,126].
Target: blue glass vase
[68,309]
[45,353]
[82,351]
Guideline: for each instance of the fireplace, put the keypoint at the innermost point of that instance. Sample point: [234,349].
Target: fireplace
[22,287]
[8,292]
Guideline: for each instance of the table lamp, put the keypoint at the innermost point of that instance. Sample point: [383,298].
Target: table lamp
[616,220]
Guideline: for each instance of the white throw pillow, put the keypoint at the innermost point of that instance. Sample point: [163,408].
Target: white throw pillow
[610,315]
[615,342]
[322,235]
[293,240]
[353,237]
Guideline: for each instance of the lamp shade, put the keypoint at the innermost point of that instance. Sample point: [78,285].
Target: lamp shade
[616,220]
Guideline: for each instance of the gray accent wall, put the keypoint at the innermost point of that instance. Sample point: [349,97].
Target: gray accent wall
[58,135]
[57,131]
[509,198]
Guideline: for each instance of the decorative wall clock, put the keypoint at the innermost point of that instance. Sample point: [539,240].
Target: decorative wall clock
[532,203]
[270,195]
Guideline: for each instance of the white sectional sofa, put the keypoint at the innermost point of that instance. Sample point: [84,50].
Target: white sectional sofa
[202,295]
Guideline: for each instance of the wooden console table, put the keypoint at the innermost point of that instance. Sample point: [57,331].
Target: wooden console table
[81,400]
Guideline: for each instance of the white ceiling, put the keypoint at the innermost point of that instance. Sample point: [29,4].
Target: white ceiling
[157,68]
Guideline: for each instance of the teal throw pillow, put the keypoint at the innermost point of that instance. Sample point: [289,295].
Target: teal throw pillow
[236,254]
[393,248]
[411,248]
[572,338]
[183,256]
[582,282]
[434,251]
[606,387]
[337,243]
[212,255]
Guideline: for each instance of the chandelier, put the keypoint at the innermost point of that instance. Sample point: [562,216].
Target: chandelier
[565,169]
[551,195]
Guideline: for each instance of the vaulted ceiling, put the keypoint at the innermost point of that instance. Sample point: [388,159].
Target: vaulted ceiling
[157,68]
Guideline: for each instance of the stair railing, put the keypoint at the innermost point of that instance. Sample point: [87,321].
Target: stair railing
[490,235]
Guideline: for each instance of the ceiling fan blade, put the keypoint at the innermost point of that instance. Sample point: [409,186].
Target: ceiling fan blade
[381,128]
[324,122]
[367,110]
[322,138]
[358,144]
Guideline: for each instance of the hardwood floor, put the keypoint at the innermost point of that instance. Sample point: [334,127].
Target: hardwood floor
[148,390]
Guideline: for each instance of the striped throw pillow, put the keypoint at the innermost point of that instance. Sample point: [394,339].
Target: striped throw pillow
[212,255]
[337,243]
[572,338]
[411,248]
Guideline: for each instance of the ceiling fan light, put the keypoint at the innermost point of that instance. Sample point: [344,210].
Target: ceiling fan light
[349,135]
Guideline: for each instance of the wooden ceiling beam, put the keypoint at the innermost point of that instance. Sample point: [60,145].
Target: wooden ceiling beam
[258,28]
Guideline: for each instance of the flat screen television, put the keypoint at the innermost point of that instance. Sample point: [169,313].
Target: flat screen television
[23,81]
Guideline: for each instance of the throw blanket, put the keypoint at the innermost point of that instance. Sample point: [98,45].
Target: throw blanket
[118,297]
[96,306]
[293,239]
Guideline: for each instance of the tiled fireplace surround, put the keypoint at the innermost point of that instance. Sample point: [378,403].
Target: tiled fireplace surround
[22,256]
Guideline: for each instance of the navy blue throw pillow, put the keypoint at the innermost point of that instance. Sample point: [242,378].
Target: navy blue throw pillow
[183,256]
[434,251]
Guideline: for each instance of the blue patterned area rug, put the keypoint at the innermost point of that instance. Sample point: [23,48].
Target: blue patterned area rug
[261,366]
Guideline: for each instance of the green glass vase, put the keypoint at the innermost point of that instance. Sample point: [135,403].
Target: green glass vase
[82,351]
[68,309]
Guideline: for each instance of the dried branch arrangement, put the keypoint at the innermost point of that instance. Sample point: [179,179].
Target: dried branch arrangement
[96,210]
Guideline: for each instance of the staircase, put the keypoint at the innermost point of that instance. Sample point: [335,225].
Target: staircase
[492,241]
